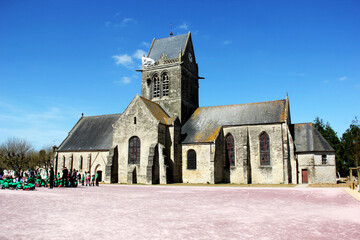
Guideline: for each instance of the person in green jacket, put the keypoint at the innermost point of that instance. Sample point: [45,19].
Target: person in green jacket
[6,184]
[83,179]
[97,179]
[19,185]
[92,180]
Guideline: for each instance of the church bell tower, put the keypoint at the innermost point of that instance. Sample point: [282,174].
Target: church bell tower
[170,76]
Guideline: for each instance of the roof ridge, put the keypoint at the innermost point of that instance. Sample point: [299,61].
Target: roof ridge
[310,123]
[147,102]
[102,115]
[171,36]
[243,104]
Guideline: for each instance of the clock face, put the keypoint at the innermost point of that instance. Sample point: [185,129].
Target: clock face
[190,57]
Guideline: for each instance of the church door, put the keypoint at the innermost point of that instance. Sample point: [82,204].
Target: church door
[99,175]
[304,173]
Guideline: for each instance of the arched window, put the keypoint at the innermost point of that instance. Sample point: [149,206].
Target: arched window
[81,162]
[165,84]
[134,150]
[191,159]
[230,154]
[264,149]
[156,92]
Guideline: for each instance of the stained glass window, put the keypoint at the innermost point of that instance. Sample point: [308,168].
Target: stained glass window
[264,149]
[134,150]
[230,154]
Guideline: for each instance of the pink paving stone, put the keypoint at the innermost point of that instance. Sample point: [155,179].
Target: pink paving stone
[179,212]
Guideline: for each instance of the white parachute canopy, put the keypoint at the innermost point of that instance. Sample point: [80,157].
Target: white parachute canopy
[147,61]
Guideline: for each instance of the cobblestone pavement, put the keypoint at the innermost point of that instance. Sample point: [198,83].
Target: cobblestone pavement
[179,212]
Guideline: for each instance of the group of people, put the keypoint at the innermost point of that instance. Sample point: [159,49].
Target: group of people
[26,182]
[73,178]
[31,180]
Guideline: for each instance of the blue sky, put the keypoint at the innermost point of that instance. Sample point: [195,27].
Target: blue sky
[59,59]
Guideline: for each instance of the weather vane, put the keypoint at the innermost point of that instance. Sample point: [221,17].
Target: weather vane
[171,34]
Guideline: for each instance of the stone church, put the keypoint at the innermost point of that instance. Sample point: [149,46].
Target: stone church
[163,136]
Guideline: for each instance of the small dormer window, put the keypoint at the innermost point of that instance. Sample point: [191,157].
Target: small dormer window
[323,159]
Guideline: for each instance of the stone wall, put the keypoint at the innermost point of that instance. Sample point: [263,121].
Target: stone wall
[204,166]
[317,172]
[91,161]
[248,137]
[146,129]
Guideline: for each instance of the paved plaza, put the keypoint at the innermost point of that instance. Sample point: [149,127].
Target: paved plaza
[179,212]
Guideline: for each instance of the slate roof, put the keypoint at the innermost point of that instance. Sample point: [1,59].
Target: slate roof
[308,139]
[170,46]
[90,134]
[206,122]
[157,112]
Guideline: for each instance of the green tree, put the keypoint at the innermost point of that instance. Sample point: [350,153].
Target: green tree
[331,136]
[351,144]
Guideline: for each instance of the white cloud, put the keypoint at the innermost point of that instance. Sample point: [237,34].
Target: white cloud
[40,128]
[124,80]
[226,42]
[343,78]
[139,53]
[184,26]
[145,44]
[124,60]
[116,24]
[128,20]
[128,60]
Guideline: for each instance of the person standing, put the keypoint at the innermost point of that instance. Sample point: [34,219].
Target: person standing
[93,180]
[83,179]
[64,176]
[78,176]
[51,177]
[88,176]
[97,179]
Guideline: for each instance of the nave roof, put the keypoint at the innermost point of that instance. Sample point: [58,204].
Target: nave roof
[206,122]
[90,134]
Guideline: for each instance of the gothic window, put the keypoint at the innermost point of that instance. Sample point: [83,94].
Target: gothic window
[191,159]
[264,149]
[156,92]
[81,162]
[323,159]
[230,154]
[165,84]
[134,150]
